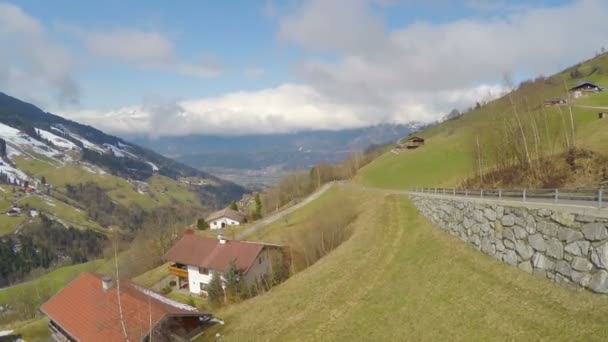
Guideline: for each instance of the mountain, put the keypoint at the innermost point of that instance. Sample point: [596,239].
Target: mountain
[266,158]
[65,162]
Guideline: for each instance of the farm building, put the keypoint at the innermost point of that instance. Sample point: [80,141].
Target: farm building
[554,102]
[603,115]
[583,88]
[413,142]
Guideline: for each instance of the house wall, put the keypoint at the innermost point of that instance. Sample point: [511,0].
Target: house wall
[217,224]
[261,266]
[195,278]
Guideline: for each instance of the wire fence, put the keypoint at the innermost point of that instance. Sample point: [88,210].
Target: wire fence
[587,197]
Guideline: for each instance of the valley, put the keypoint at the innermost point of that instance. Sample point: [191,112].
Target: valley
[227,199]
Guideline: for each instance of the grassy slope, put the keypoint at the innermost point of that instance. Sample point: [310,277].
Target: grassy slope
[400,278]
[448,155]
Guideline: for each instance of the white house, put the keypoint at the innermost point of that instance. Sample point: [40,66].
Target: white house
[224,218]
[197,258]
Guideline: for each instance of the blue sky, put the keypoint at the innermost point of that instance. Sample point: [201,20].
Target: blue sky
[264,66]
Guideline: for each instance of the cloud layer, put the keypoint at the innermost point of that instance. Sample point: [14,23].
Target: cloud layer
[418,72]
[143,49]
[31,63]
[355,69]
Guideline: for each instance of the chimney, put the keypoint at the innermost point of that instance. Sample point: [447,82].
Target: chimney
[221,239]
[106,283]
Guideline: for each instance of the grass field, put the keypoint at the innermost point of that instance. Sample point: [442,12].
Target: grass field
[400,278]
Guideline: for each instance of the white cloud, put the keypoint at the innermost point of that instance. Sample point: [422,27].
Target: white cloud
[30,62]
[131,46]
[287,108]
[143,49]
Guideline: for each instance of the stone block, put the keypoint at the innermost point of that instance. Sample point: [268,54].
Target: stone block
[555,249]
[523,249]
[594,231]
[563,267]
[569,235]
[537,242]
[547,228]
[508,220]
[540,261]
[599,256]
[581,264]
[578,248]
[599,282]
[510,257]
[525,266]
[563,218]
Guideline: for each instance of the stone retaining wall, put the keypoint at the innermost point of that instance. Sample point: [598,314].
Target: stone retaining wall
[570,249]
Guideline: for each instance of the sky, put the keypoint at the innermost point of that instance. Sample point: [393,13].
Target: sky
[176,68]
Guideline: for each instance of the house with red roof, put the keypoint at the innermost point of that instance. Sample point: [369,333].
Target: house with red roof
[93,308]
[196,258]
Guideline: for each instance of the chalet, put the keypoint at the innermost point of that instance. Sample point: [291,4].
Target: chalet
[14,211]
[196,258]
[584,87]
[87,309]
[554,102]
[603,115]
[413,142]
[223,218]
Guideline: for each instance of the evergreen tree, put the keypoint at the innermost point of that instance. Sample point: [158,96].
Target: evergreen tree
[215,293]
[234,206]
[232,277]
[43,180]
[2,148]
[201,224]
[257,213]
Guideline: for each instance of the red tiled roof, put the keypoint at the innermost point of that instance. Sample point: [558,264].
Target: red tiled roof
[208,252]
[229,213]
[88,313]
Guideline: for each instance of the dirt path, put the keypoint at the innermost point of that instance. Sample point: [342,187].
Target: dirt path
[270,219]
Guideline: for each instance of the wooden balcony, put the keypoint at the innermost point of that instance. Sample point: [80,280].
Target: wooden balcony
[179,271]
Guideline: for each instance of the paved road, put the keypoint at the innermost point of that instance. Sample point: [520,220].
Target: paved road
[519,200]
[547,201]
[591,107]
[270,219]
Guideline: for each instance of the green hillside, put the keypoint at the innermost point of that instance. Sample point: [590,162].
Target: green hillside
[400,278]
[448,156]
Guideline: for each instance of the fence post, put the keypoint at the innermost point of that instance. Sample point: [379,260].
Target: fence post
[435,190]
[556,195]
[500,194]
[524,195]
[481,193]
[466,193]
[600,192]
[454,192]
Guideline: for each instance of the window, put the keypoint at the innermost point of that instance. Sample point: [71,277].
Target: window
[203,270]
[260,260]
[203,286]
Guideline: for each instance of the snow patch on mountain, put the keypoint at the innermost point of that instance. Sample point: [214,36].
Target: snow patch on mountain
[58,141]
[154,167]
